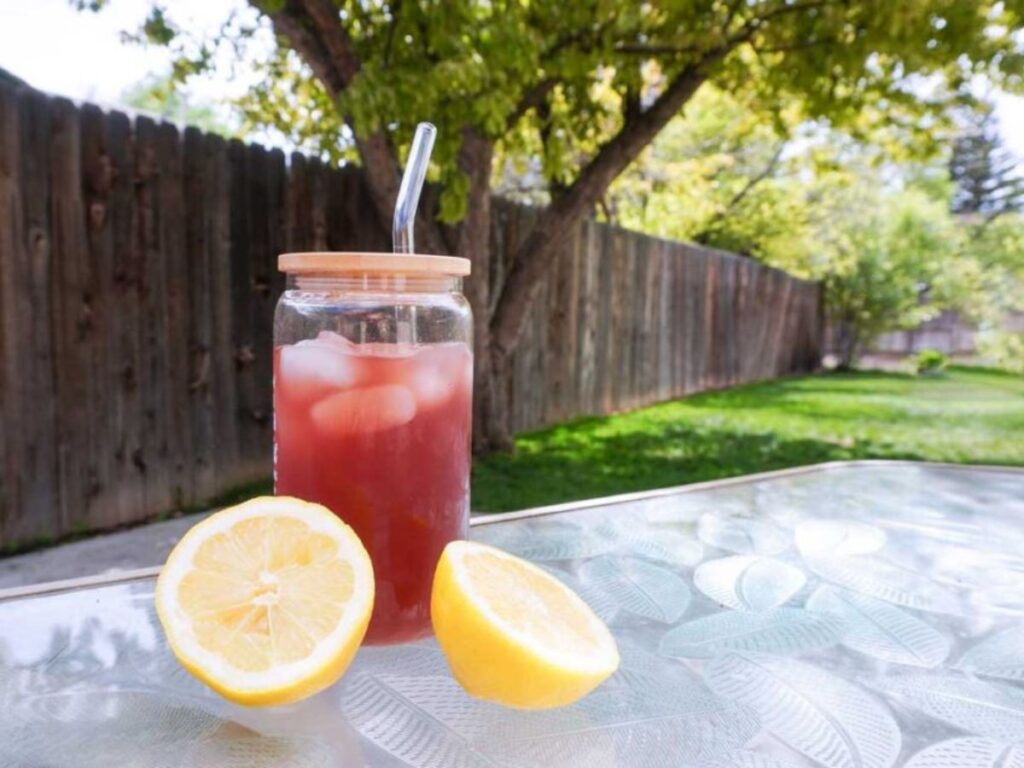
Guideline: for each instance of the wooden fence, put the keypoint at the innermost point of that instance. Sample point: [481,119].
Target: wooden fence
[137,287]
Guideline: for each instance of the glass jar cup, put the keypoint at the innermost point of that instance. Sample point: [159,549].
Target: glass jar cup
[373,379]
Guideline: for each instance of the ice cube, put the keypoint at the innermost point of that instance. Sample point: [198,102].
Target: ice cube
[430,386]
[312,369]
[441,371]
[335,339]
[364,410]
[384,349]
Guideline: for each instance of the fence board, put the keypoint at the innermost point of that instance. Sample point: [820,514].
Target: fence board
[604,319]
[10,216]
[217,171]
[245,209]
[138,280]
[127,483]
[178,308]
[96,180]
[71,322]
[261,257]
[156,461]
[586,329]
[199,326]
[699,329]
[33,419]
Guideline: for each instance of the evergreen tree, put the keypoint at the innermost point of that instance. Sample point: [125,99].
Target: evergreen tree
[988,179]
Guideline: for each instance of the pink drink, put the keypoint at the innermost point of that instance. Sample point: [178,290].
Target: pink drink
[380,434]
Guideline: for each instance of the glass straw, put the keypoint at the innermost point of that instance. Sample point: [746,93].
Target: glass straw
[412,185]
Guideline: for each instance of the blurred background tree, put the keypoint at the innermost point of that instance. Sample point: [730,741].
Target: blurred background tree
[986,175]
[899,226]
[163,96]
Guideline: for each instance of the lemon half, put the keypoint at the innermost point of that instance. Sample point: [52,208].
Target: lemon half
[514,634]
[267,602]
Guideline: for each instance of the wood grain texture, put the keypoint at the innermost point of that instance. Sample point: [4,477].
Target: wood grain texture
[72,342]
[178,308]
[11,424]
[156,459]
[197,182]
[138,282]
[9,218]
[36,511]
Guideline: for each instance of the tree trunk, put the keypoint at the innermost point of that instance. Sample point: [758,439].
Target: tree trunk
[847,344]
[474,241]
[497,415]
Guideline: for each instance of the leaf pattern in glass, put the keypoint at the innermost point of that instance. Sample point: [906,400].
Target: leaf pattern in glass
[968,753]
[748,582]
[638,587]
[822,716]
[782,631]
[886,581]
[429,722]
[139,728]
[1001,655]
[881,630]
[741,535]
[988,709]
[544,540]
[666,546]
[743,758]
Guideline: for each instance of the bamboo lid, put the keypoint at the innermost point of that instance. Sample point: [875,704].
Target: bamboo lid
[339,262]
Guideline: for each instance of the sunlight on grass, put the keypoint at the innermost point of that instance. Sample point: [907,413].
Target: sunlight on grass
[968,415]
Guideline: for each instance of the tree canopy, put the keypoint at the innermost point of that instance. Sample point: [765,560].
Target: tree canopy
[874,219]
[584,87]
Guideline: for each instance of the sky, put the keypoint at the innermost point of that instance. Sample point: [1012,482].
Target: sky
[80,54]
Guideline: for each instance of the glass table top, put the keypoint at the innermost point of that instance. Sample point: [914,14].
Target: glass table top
[859,616]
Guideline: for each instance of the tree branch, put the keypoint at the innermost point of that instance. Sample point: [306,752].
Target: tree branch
[567,208]
[656,49]
[576,36]
[743,34]
[738,198]
[803,45]
[533,98]
[756,22]
[288,22]
[396,8]
[314,29]
[734,8]
[631,106]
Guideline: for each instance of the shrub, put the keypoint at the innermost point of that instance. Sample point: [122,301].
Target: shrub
[1004,349]
[930,362]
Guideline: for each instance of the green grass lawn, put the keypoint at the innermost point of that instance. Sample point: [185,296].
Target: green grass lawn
[967,415]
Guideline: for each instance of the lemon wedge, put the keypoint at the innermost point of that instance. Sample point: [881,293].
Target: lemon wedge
[267,602]
[514,634]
